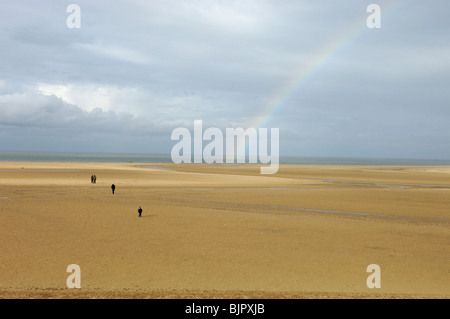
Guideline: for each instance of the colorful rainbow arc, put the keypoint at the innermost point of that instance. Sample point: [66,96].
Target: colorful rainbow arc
[320,59]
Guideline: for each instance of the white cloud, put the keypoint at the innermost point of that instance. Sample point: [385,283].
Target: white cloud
[48,111]
[112,51]
[89,96]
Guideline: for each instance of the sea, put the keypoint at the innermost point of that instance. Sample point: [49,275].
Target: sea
[166,158]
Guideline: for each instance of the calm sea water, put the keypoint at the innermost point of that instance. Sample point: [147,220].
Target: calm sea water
[163,158]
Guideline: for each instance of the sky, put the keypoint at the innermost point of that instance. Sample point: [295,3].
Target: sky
[132,71]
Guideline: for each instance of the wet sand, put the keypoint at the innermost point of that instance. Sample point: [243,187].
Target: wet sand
[223,231]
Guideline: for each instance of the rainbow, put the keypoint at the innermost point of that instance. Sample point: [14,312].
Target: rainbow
[320,59]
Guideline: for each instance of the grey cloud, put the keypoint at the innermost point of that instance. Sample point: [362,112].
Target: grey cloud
[51,112]
[137,69]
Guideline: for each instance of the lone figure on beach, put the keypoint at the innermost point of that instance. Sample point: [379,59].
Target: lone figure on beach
[113,187]
[140,211]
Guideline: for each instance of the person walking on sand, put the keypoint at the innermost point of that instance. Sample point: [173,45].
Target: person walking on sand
[140,211]
[113,187]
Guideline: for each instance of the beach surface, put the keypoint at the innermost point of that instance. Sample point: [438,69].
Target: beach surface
[223,231]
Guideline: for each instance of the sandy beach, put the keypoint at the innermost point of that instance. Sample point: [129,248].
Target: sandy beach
[223,231]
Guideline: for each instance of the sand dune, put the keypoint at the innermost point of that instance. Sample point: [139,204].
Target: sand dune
[223,231]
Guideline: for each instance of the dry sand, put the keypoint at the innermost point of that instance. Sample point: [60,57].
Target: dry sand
[223,231]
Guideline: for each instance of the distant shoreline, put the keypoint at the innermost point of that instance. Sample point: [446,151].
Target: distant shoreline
[22,156]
